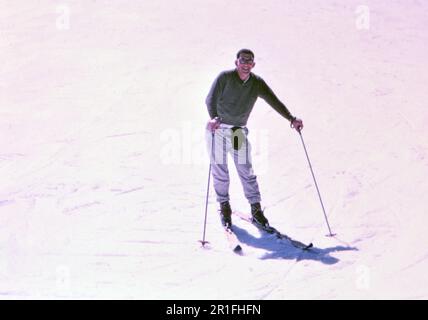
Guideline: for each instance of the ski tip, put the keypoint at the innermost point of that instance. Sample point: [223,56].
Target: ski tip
[238,249]
[309,246]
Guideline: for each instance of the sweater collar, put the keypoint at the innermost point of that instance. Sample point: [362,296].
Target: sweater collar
[239,78]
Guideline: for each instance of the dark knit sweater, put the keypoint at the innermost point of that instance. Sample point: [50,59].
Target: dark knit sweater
[232,99]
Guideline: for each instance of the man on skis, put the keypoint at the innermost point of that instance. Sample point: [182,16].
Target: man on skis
[230,102]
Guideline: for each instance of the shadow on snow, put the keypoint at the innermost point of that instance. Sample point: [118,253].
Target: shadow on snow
[282,249]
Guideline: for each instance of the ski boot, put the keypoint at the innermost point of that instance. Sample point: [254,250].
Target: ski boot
[226,214]
[258,216]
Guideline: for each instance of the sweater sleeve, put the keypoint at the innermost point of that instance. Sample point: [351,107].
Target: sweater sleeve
[214,95]
[266,93]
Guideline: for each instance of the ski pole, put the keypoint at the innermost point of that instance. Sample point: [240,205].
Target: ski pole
[316,185]
[203,242]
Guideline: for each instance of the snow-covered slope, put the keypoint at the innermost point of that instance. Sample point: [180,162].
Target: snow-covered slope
[103,162]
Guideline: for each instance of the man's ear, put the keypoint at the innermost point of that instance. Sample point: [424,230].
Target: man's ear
[236,62]
[254,64]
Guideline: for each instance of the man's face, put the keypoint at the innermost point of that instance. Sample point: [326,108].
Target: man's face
[245,63]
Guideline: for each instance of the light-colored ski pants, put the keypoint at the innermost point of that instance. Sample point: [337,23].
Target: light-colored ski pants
[234,142]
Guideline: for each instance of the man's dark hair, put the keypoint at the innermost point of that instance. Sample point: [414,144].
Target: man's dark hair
[244,51]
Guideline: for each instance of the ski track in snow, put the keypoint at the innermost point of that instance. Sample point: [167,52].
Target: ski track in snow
[96,202]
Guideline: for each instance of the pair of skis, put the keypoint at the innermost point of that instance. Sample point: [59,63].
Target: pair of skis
[236,246]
